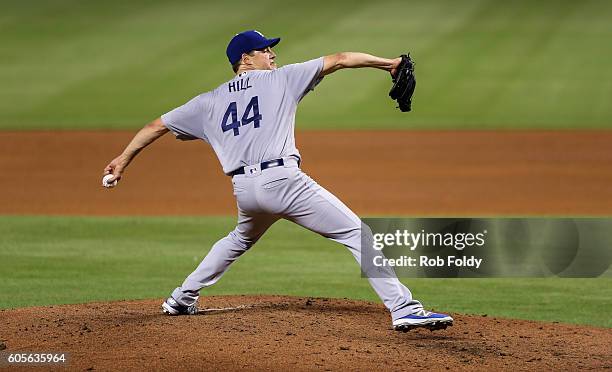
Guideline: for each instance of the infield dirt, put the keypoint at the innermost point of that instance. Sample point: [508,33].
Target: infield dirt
[288,333]
[422,173]
[402,173]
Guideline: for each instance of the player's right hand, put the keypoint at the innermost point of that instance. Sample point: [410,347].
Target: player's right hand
[394,66]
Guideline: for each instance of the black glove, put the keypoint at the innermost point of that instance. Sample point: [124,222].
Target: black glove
[404,83]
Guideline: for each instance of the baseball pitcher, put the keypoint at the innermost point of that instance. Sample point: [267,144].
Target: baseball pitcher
[250,121]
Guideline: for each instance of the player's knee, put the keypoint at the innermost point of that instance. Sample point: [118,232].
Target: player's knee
[366,231]
[365,236]
[240,240]
[360,232]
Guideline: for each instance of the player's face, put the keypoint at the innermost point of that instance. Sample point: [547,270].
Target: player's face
[263,59]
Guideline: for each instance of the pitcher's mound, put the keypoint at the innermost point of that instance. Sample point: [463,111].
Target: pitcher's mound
[288,333]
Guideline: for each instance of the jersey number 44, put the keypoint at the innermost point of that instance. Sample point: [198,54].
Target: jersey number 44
[232,111]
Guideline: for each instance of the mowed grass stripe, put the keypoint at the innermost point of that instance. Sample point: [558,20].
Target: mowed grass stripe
[57,260]
[480,64]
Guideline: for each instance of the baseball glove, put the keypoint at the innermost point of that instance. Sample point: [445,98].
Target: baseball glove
[404,83]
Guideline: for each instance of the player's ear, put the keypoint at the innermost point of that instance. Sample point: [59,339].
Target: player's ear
[246,59]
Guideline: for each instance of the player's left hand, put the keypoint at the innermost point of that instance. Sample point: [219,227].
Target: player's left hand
[115,167]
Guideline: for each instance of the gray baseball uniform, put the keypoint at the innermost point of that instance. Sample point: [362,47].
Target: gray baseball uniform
[249,120]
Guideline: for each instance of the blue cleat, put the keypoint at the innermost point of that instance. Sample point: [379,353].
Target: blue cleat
[423,319]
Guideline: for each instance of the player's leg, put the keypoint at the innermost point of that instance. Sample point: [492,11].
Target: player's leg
[223,253]
[318,210]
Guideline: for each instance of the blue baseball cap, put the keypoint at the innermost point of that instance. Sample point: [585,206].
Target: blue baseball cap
[246,41]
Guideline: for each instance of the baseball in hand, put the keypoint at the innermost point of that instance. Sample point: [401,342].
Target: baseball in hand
[105,181]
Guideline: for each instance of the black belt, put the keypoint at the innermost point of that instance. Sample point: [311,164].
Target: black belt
[262,166]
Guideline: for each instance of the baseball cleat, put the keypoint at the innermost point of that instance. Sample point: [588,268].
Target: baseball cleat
[423,319]
[171,307]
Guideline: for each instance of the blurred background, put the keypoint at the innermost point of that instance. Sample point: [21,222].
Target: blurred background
[480,63]
[511,117]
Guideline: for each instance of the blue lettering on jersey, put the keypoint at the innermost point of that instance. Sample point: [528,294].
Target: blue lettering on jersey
[232,112]
[242,84]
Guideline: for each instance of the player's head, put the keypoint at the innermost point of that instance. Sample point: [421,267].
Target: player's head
[252,50]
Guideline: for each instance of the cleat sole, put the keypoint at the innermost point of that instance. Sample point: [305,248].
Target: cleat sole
[435,326]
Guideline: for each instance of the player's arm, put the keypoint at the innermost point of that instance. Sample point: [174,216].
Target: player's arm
[142,139]
[338,61]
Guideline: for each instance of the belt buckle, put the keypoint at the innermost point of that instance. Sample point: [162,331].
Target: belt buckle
[252,170]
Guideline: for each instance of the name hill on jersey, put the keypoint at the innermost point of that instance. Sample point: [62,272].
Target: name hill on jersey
[242,84]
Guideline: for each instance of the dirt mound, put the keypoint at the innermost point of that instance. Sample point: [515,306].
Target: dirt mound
[282,333]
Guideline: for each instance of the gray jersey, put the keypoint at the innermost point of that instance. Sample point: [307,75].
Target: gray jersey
[251,118]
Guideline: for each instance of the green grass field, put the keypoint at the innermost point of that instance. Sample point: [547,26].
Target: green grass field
[480,63]
[57,260]
[487,64]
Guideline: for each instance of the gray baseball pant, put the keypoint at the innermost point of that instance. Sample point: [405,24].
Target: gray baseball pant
[263,197]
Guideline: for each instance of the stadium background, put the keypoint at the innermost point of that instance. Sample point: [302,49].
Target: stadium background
[496,80]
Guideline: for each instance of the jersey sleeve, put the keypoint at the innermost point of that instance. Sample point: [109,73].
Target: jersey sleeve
[302,77]
[187,121]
